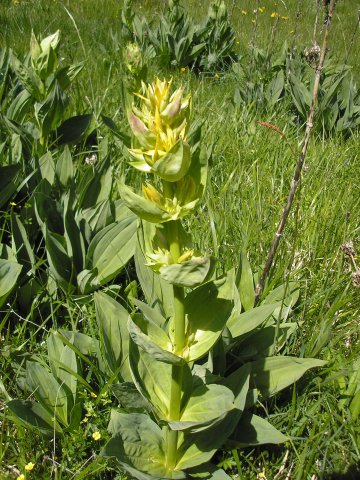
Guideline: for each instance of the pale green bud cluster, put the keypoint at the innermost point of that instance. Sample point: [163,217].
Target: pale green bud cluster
[133,58]
[44,58]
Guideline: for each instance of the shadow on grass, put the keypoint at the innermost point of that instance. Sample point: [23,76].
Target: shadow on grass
[352,474]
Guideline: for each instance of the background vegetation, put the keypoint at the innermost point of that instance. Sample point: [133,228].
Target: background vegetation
[251,171]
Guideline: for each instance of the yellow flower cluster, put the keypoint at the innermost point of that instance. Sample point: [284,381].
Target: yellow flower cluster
[159,124]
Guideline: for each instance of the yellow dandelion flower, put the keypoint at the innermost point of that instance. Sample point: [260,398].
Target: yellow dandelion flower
[21,477]
[285,18]
[29,466]
[183,69]
[96,436]
[93,395]
[243,12]
[274,14]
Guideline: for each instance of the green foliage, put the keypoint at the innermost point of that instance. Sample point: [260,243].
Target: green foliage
[266,81]
[176,40]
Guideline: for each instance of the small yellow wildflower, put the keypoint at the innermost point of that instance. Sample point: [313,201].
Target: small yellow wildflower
[216,75]
[183,69]
[93,395]
[85,420]
[243,12]
[29,466]
[96,436]
[21,477]
[285,18]
[274,14]
[13,204]
[261,9]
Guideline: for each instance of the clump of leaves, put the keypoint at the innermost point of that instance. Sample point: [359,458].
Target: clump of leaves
[176,40]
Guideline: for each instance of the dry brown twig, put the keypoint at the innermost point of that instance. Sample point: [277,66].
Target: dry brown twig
[301,158]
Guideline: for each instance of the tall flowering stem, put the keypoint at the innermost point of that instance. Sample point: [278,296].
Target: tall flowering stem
[160,123]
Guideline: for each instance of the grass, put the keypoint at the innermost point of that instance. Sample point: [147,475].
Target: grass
[251,171]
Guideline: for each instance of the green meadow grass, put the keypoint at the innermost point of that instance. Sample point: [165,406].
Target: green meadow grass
[251,171]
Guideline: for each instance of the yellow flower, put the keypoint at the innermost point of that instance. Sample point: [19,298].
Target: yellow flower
[285,18]
[261,9]
[183,69]
[243,12]
[93,395]
[274,14]
[216,75]
[29,466]
[13,204]
[159,124]
[96,436]
[21,477]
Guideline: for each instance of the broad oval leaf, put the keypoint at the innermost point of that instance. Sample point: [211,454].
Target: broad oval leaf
[254,430]
[242,323]
[272,374]
[9,273]
[112,320]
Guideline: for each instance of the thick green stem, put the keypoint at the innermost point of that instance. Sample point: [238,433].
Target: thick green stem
[179,343]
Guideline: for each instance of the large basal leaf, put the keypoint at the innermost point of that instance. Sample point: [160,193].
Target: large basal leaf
[208,308]
[85,344]
[112,248]
[112,320]
[99,217]
[137,443]
[64,366]
[129,397]
[254,430]
[9,273]
[21,244]
[59,261]
[75,244]
[8,182]
[243,323]
[32,414]
[64,169]
[95,184]
[74,129]
[47,391]
[245,283]
[272,374]
[47,167]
